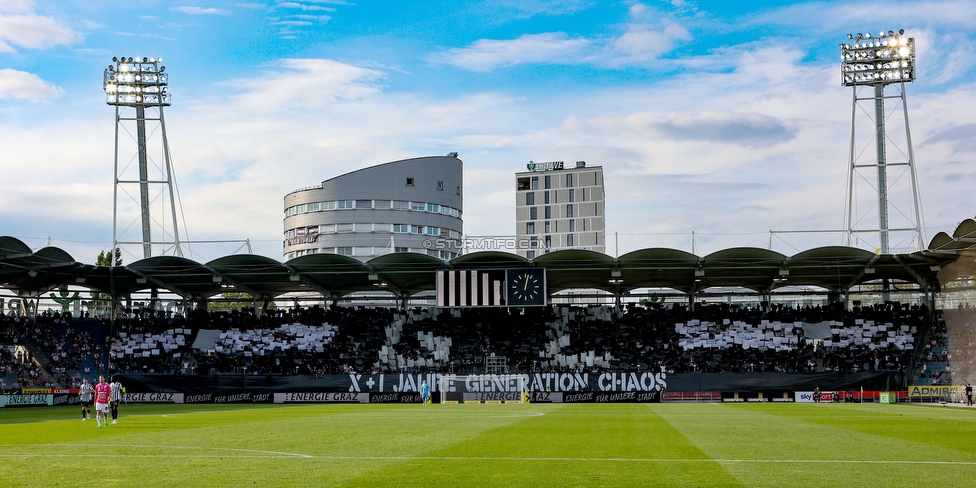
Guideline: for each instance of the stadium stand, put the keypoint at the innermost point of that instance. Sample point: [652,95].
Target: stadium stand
[712,338]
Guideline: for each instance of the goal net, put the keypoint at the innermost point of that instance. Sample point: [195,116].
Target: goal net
[482,388]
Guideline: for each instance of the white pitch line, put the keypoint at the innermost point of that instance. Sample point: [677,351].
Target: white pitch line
[288,455]
[146,446]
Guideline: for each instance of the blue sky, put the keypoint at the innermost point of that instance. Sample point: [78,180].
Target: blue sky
[723,118]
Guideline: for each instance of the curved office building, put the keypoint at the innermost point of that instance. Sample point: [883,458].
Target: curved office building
[413,205]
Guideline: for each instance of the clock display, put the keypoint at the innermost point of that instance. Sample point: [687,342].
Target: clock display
[526,287]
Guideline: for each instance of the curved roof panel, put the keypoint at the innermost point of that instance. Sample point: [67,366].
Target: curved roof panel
[489,259]
[409,273]
[576,268]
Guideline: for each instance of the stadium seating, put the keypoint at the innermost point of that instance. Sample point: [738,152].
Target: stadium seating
[558,338]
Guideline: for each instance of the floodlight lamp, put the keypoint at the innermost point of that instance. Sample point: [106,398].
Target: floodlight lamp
[850,36]
[901,32]
[891,33]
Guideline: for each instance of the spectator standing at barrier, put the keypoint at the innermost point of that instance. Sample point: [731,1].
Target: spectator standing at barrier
[816,395]
[969,394]
[425,393]
[85,395]
[102,393]
[115,397]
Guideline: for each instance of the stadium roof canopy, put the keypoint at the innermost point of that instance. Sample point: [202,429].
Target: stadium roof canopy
[834,268]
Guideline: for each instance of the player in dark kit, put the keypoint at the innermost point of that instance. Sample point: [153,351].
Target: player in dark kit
[85,394]
[969,394]
[114,397]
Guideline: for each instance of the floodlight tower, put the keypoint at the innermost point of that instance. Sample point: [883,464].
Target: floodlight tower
[877,62]
[137,84]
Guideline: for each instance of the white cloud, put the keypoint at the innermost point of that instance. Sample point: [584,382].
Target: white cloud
[22,85]
[33,32]
[646,36]
[190,10]
[304,6]
[489,54]
[644,42]
[16,6]
[824,15]
[304,84]
[745,129]
[530,8]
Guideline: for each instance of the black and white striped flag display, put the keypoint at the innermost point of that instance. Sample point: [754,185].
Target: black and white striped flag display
[471,288]
[524,287]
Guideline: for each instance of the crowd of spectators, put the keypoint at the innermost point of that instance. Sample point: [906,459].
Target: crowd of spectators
[335,340]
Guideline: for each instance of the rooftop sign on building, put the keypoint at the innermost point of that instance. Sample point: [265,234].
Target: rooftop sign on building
[547,166]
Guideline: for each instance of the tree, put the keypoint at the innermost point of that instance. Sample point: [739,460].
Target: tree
[100,300]
[230,301]
[105,258]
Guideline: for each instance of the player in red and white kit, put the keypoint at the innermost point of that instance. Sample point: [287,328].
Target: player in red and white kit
[102,393]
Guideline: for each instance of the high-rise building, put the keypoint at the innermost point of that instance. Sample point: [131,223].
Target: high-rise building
[559,208]
[413,205]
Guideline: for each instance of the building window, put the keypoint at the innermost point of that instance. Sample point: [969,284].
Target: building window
[522,183]
[533,242]
[529,254]
[362,251]
[409,181]
[327,228]
[548,181]
[345,204]
[572,225]
[401,205]
[364,227]
[548,212]
[535,182]
[530,198]
[572,195]
[569,210]
[344,251]
[440,185]
[364,204]
[569,240]
[534,213]
[569,180]
[344,228]
[432,231]
[418,206]
[530,228]
[548,227]
[401,228]
[433,207]
[458,190]
[548,242]
[546,198]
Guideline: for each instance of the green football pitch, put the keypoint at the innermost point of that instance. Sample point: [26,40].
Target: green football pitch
[493,445]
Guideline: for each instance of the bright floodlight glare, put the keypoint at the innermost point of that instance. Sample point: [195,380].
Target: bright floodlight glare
[136,83]
[878,60]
